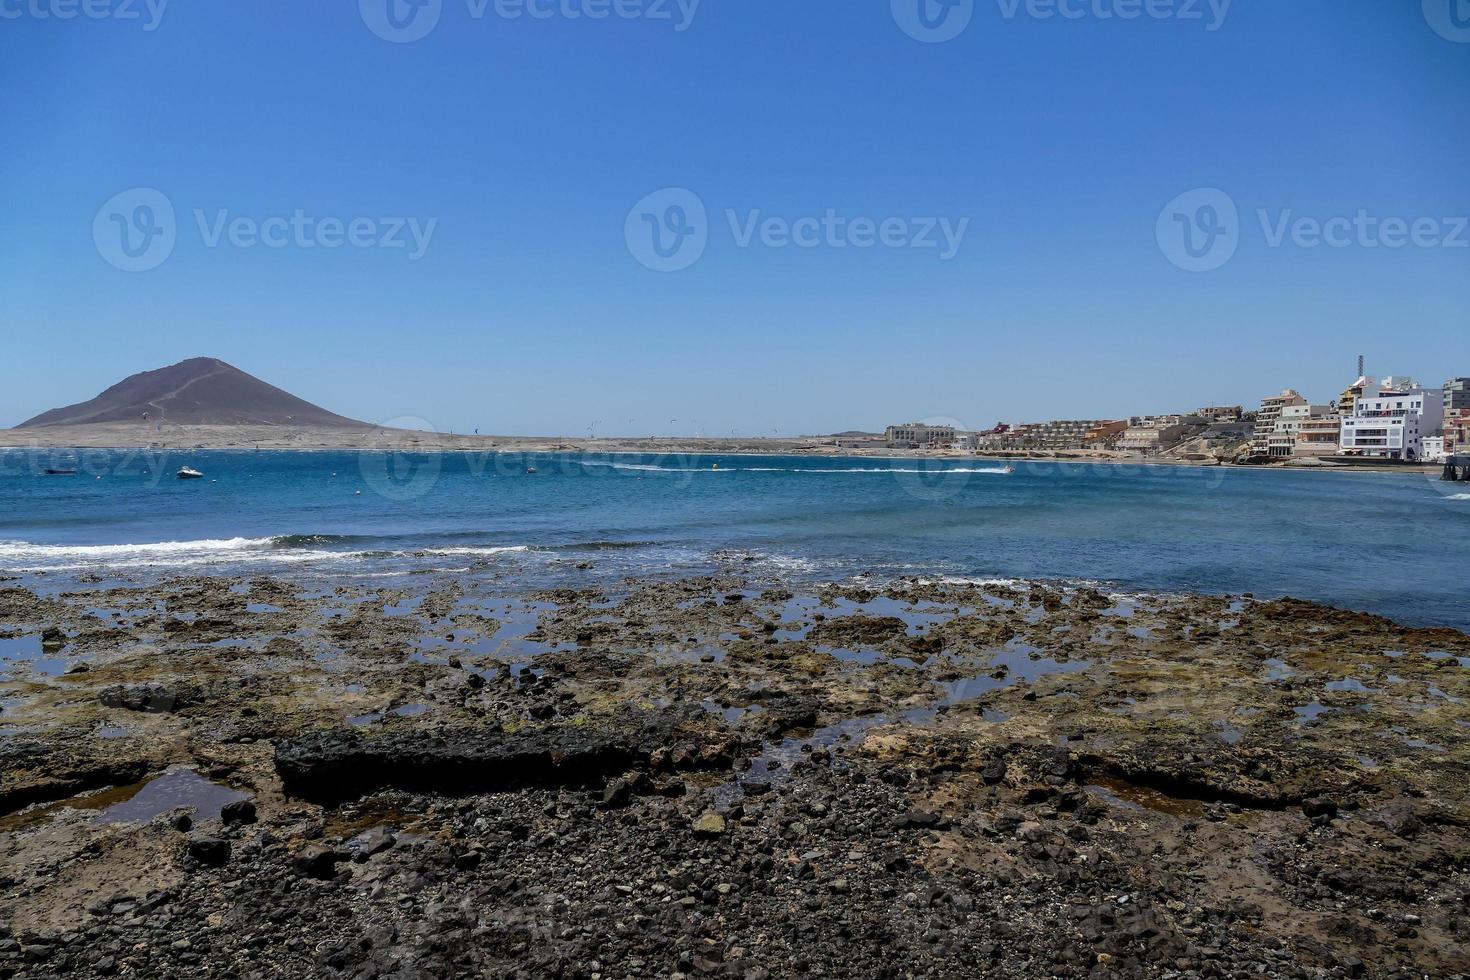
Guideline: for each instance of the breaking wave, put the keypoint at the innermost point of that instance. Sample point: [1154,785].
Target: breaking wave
[813,471]
[24,550]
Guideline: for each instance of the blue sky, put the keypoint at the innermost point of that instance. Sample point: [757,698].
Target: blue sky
[1059,141]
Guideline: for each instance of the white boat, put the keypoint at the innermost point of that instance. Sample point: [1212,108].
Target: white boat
[1008,469]
[187,473]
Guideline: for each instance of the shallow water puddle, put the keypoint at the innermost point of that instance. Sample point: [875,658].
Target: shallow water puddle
[178,787]
[1310,712]
[412,710]
[30,653]
[20,647]
[1021,663]
[1419,743]
[776,758]
[731,713]
[405,608]
[1128,796]
[917,618]
[1278,670]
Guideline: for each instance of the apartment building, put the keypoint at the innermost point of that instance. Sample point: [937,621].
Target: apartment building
[1057,435]
[1281,441]
[1105,435]
[1266,418]
[1318,437]
[1457,430]
[1350,395]
[1456,395]
[1221,414]
[1153,437]
[1393,424]
[918,435]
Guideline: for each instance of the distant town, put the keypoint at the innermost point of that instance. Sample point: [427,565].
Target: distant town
[1394,419]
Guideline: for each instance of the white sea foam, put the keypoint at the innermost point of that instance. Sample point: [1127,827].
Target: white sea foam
[964,580]
[1458,496]
[25,556]
[936,471]
[649,468]
[813,471]
[26,551]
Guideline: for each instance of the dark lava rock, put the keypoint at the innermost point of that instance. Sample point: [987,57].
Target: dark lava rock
[850,631]
[617,793]
[784,713]
[149,698]
[376,841]
[318,860]
[241,811]
[339,764]
[919,819]
[1319,806]
[39,772]
[209,850]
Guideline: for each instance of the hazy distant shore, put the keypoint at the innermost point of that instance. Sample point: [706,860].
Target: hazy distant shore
[182,438]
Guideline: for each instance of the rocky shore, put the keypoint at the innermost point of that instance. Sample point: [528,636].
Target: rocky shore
[724,776]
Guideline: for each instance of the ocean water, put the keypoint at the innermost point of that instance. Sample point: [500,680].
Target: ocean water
[1392,543]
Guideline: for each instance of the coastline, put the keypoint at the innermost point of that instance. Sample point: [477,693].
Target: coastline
[233,438]
[997,779]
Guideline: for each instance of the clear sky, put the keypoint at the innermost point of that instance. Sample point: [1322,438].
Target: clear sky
[1060,133]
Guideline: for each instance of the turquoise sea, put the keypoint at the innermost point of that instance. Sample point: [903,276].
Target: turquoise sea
[1393,543]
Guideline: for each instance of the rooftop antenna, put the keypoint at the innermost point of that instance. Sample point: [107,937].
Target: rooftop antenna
[1360,365]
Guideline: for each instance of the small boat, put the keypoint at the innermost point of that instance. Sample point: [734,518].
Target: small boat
[50,471]
[187,473]
[530,469]
[1008,470]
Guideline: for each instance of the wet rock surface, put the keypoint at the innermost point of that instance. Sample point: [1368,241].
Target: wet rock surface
[725,776]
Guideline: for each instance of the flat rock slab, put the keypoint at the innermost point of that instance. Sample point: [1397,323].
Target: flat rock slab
[343,764]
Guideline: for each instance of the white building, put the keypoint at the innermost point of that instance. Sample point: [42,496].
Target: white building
[1318,437]
[1434,449]
[1393,424]
[918,435]
[1282,440]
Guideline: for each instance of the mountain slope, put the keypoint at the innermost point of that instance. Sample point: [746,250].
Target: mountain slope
[199,391]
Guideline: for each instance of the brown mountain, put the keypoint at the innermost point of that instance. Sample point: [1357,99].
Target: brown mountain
[199,391]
